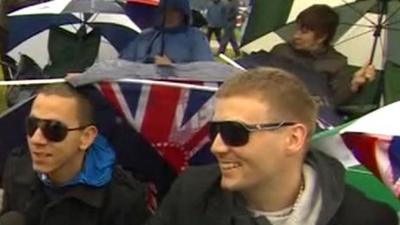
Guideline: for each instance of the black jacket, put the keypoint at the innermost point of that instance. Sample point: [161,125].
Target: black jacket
[331,64]
[197,199]
[121,202]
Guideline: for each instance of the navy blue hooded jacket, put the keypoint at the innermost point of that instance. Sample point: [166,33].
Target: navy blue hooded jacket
[183,43]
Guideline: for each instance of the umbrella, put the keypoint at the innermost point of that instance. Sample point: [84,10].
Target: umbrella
[115,29]
[368,29]
[143,12]
[374,140]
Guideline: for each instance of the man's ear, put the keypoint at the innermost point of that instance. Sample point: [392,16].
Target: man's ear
[88,137]
[297,138]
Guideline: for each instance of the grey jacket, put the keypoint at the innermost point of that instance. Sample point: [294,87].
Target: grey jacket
[215,14]
[197,199]
[328,62]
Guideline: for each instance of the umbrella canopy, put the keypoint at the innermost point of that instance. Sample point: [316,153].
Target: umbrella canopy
[48,44]
[375,141]
[367,28]
[107,17]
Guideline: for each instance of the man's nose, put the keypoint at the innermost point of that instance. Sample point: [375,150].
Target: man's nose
[38,137]
[218,146]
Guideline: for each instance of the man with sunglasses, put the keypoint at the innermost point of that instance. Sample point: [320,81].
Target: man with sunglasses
[260,133]
[68,175]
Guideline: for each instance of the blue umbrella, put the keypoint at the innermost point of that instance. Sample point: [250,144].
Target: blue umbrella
[105,16]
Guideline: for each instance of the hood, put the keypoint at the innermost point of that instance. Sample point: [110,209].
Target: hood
[98,168]
[331,175]
[181,5]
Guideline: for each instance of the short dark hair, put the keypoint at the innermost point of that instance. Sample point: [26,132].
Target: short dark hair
[287,94]
[85,107]
[321,19]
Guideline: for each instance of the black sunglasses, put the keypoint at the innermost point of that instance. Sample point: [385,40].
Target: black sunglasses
[237,134]
[52,130]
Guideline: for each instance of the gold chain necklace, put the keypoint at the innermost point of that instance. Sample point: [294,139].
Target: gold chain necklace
[296,202]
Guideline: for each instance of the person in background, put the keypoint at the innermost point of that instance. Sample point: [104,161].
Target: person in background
[266,174]
[231,11]
[311,47]
[67,173]
[198,19]
[215,19]
[171,40]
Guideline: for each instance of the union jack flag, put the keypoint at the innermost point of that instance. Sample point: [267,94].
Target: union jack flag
[172,119]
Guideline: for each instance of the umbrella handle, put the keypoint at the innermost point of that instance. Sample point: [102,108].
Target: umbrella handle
[378,28]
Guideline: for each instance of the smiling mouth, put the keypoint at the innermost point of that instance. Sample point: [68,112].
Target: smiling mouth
[225,166]
[41,155]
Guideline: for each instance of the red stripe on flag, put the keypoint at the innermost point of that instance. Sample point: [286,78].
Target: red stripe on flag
[109,93]
[160,113]
[363,147]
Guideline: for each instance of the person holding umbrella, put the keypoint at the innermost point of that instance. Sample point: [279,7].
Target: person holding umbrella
[311,47]
[66,174]
[171,40]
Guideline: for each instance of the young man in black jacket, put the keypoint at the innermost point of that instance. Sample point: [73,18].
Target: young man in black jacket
[67,175]
[260,132]
[311,47]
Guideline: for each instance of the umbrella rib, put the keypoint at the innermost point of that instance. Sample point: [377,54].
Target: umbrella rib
[392,28]
[355,36]
[358,25]
[393,23]
[358,11]
[390,16]
[94,16]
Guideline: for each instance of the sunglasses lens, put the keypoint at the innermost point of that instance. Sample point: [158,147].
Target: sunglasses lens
[232,133]
[31,126]
[52,130]
[55,131]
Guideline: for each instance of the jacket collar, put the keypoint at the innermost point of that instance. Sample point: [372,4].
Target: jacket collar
[91,196]
[331,175]
[315,54]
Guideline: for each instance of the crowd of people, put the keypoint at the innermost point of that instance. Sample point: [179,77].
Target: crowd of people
[265,171]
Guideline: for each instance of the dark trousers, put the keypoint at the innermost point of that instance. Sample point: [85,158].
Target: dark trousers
[229,37]
[216,31]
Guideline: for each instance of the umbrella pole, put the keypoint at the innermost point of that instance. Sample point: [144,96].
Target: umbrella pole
[383,6]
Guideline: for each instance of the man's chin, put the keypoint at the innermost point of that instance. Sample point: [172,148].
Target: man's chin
[41,169]
[229,186]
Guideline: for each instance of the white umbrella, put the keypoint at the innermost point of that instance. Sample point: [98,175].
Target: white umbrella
[29,27]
